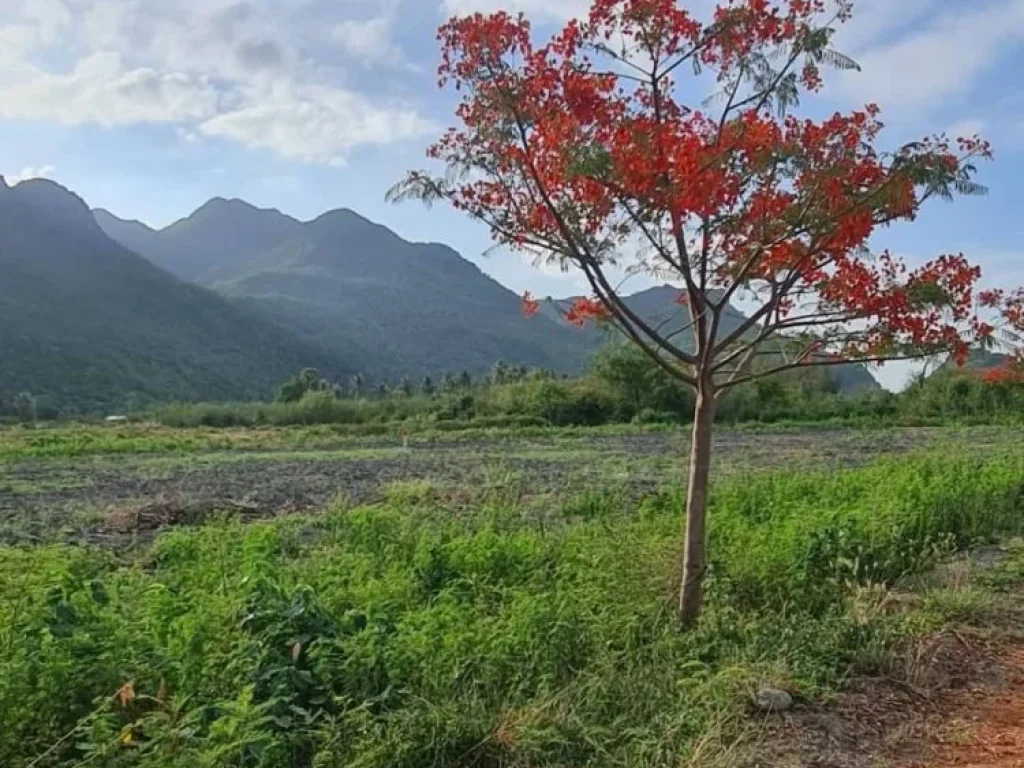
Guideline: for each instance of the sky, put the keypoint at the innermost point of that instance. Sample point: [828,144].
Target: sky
[150,107]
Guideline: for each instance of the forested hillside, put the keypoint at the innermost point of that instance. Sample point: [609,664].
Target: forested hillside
[85,324]
[392,308]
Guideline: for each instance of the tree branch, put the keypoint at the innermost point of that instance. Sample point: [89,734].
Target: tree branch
[826,363]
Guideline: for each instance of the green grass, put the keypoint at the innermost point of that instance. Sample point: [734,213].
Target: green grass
[63,441]
[75,440]
[83,440]
[409,634]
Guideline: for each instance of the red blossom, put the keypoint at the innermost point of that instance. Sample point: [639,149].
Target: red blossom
[565,150]
[811,77]
[1009,372]
[584,310]
[974,145]
[990,298]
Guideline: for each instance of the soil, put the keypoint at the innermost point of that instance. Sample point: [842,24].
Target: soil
[41,499]
[990,731]
[952,700]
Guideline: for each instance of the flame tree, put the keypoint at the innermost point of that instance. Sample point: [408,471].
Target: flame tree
[586,152]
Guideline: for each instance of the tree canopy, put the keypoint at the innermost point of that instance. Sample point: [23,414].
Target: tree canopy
[588,152]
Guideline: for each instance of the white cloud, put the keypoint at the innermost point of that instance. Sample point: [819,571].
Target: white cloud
[17,41]
[319,124]
[552,10]
[43,172]
[100,90]
[876,21]
[50,17]
[368,40]
[940,60]
[264,73]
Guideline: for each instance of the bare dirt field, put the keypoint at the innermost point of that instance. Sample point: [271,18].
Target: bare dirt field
[100,495]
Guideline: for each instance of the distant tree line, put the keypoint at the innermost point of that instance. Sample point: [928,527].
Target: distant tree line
[308,381]
[621,386]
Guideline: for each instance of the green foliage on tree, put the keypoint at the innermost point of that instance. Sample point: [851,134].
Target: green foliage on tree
[305,381]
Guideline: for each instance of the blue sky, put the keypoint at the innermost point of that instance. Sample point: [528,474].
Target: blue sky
[150,107]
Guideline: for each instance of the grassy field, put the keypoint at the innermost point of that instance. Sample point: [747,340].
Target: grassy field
[304,598]
[109,484]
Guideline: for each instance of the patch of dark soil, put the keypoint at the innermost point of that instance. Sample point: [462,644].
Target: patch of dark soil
[880,718]
[270,487]
[128,524]
[990,733]
[47,496]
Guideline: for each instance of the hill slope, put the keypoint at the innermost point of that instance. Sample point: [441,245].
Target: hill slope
[219,238]
[91,325]
[396,308]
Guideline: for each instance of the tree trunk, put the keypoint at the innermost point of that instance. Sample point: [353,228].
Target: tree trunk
[691,591]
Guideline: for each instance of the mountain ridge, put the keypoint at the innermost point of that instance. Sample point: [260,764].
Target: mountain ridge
[88,324]
[395,307]
[92,316]
[400,308]
[658,304]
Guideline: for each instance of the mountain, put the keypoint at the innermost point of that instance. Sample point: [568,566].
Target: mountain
[88,324]
[221,237]
[659,308]
[394,308]
[342,282]
[981,360]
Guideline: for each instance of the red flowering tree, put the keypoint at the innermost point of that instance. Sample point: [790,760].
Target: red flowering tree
[586,152]
[1009,306]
